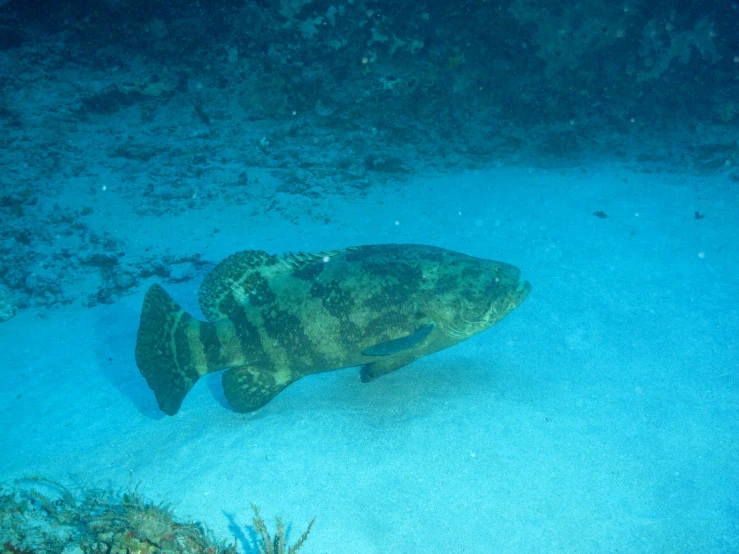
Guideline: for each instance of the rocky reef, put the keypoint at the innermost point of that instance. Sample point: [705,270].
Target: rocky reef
[42,516]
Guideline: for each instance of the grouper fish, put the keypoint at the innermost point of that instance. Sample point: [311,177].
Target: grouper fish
[274,319]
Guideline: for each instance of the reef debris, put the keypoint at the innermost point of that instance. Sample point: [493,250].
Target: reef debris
[39,515]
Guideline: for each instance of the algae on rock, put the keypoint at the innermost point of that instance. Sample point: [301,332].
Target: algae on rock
[41,516]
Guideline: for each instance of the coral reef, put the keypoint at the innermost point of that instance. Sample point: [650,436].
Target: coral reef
[8,306]
[325,101]
[39,516]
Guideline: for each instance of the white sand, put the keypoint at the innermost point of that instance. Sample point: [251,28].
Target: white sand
[601,416]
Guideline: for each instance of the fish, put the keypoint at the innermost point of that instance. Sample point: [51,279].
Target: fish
[273,319]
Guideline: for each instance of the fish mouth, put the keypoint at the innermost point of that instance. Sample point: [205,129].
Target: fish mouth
[517,292]
[510,276]
[516,297]
[522,291]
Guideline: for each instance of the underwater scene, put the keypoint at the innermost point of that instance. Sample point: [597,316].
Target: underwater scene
[329,276]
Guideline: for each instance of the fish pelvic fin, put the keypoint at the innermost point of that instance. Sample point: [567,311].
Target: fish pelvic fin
[173,349]
[373,370]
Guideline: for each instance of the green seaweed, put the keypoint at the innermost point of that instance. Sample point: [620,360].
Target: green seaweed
[276,545]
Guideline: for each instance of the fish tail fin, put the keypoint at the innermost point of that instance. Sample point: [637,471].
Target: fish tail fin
[172,348]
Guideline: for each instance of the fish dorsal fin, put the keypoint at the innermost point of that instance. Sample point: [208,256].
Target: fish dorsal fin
[298,260]
[235,279]
[242,277]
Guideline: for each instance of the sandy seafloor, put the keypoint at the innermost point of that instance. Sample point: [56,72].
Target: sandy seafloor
[601,416]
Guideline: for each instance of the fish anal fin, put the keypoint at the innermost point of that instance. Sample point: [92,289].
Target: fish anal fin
[372,371]
[249,388]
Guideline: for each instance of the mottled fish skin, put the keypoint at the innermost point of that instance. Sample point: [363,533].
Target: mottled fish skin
[274,319]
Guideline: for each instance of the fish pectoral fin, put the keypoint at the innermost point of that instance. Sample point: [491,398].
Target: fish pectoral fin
[396,346]
[372,371]
[249,388]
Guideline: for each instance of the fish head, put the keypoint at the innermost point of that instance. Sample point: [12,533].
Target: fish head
[475,295]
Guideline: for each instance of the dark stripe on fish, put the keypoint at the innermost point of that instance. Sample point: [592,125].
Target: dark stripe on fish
[211,345]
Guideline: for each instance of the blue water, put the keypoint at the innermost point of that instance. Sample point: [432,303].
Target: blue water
[144,144]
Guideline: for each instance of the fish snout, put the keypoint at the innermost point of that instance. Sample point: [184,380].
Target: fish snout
[507,274]
[524,288]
